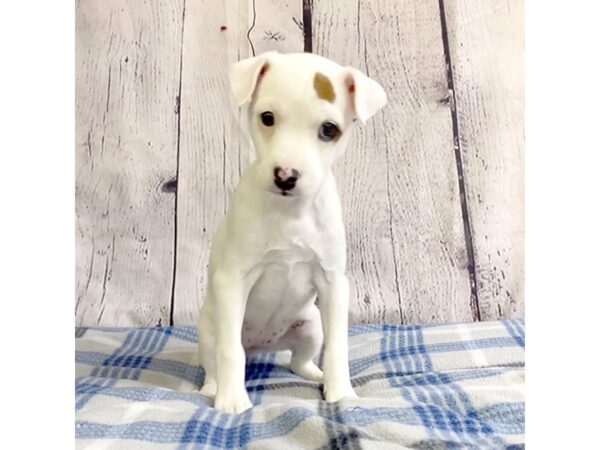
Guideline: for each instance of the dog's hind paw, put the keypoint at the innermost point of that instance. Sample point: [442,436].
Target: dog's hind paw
[308,371]
[208,389]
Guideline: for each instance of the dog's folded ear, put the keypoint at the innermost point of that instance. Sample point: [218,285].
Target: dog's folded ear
[366,95]
[245,75]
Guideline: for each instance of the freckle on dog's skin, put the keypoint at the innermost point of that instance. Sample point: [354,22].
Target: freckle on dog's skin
[282,243]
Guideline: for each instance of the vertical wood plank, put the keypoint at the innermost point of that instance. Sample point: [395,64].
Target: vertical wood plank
[214,147]
[398,183]
[127,78]
[486,51]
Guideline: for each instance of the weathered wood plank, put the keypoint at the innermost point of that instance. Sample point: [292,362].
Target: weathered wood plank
[214,147]
[486,50]
[398,184]
[127,77]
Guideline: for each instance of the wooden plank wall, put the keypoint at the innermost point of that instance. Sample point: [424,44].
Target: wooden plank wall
[127,81]
[432,188]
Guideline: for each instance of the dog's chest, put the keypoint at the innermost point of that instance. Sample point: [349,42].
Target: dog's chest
[288,242]
[276,301]
[284,277]
[284,283]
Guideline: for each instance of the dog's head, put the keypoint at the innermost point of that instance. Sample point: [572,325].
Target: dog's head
[302,107]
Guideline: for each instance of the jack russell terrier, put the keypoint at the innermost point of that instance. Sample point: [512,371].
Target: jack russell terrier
[282,243]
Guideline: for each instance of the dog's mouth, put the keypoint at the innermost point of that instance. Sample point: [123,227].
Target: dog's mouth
[281,193]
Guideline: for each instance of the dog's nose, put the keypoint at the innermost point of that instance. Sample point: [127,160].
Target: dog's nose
[285,179]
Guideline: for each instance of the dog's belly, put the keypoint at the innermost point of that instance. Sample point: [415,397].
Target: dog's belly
[278,300]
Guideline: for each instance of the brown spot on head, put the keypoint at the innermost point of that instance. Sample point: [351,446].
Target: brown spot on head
[323,87]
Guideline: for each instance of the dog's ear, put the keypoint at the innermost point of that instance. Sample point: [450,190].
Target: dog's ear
[366,95]
[245,75]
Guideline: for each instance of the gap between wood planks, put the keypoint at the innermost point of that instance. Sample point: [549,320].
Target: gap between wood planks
[175,192]
[252,27]
[307,24]
[474,303]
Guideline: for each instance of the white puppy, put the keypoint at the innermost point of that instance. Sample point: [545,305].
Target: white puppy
[282,243]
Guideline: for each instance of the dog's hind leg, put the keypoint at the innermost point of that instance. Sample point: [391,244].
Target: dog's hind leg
[206,353]
[305,339]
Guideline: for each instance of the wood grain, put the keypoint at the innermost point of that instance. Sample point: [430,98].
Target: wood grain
[127,77]
[486,50]
[214,147]
[398,184]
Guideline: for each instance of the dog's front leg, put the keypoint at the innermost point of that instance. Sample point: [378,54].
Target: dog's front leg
[332,290]
[230,304]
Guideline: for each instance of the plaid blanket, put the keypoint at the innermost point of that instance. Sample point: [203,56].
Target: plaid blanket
[426,387]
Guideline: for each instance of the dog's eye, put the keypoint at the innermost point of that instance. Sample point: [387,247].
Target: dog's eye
[267,118]
[329,131]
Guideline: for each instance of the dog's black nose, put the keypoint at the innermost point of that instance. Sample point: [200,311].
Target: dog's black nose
[285,179]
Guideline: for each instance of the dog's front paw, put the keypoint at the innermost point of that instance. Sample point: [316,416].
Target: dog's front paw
[336,391]
[232,402]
